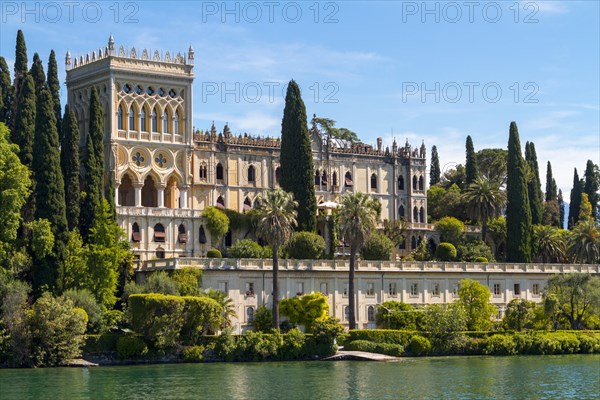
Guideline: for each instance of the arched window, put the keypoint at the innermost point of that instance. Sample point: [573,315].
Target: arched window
[182,234]
[371,313]
[131,119]
[143,120]
[373,182]
[317,178]
[348,182]
[203,172]
[219,172]
[421,183]
[136,236]
[415,214]
[250,314]
[160,252]
[159,233]
[401,212]
[247,204]
[251,174]
[220,202]
[413,242]
[334,181]
[176,123]
[400,183]
[346,313]
[166,122]
[120,118]
[414,182]
[201,235]
[324,178]
[154,124]
[278,175]
[422,215]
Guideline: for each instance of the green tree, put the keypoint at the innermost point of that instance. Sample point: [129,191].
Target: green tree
[471,163]
[14,307]
[227,306]
[454,176]
[296,158]
[358,219]
[451,230]
[396,315]
[534,184]
[497,234]
[434,170]
[551,188]
[188,281]
[473,250]
[549,244]
[585,209]
[445,252]
[306,310]
[49,189]
[305,245]
[485,201]
[276,221]
[54,86]
[491,165]
[38,75]
[445,203]
[377,247]
[69,158]
[21,69]
[328,126]
[584,242]
[14,190]
[7,92]
[422,252]
[395,230]
[23,132]
[518,213]
[42,238]
[475,298]
[519,314]
[576,296]
[444,322]
[575,203]
[217,224]
[73,274]
[592,183]
[246,248]
[561,207]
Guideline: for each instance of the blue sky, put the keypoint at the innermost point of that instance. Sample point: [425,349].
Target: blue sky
[433,71]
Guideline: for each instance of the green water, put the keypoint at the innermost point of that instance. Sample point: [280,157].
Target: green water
[534,377]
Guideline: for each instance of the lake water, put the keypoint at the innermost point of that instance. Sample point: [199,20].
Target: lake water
[521,377]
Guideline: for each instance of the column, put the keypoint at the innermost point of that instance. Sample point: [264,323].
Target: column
[138,194]
[161,196]
[184,197]
[117,194]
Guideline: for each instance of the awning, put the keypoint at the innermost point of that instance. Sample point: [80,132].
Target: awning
[247,207]
[349,182]
[182,238]
[159,236]
[220,206]
[136,237]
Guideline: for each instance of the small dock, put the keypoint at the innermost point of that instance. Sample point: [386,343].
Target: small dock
[360,356]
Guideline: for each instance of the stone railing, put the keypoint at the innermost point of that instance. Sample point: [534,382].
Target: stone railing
[383,266]
[158,212]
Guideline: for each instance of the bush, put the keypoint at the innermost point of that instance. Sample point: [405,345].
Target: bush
[188,281]
[263,319]
[193,354]
[201,316]
[217,224]
[381,336]
[500,345]
[104,343]
[305,310]
[481,259]
[378,247]
[293,347]
[258,346]
[389,349]
[246,249]
[555,343]
[305,246]
[589,343]
[157,317]
[225,345]
[419,346]
[361,345]
[83,298]
[445,252]
[474,249]
[129,347]
[112,318]
[325,333]
[397,315]
[451,230]
[214,253]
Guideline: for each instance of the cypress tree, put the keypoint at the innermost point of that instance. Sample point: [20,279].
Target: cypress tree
[7,92]
[49,189]
[591,186]
[54,86]
[93,164]
[561,207]
[39,77]
[21,69]
[24,123]
[297,169]
[551,189]
[69,161]
[434,171]
[575,200]
[518,213]
[534,185]
[471,163]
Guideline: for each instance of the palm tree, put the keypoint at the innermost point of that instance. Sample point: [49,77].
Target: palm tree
[584,243]
[276,215]
[226,304]
[484,200]
[358,219]
[549,243]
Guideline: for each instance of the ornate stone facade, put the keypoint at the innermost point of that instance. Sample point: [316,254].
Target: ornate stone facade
[166,174]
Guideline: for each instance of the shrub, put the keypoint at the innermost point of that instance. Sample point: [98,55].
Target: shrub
[258,346]
[104,343]
[217,224]
[500,345]
[112,318]
[481,259]
[361,345]
[378,247]
[225,345]
[157,317]
[193,354]
[201,315]
[305,246]
[305,310]
[555,343]
[129,347]
[325,333]
[397,315]
[474,249]
[389,349]
[293,345]
[445,252]
[451,230]
[246,249]
[589,343]
[263,319]
[188,281]
[381,336]
[419,346]
[83,298]
[372,347]
[214,253]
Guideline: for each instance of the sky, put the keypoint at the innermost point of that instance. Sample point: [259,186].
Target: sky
[432,71]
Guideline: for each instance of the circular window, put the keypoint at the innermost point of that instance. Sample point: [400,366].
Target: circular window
[172,93]
[127,88]
[150,90]
[139,89]
[160,160]
[161,92]
[138,159]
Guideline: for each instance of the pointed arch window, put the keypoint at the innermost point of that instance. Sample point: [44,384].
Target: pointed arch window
[120,118]
[371,313]
[374,182]
[176,123]
[131,119]
[421,183]
[422,215]
[334,181]
[166,122]
[415,214]
[414,182]
[348,182]
[219,172]
[203,172]
[401,212]
[400,183]
[159,233]
[182,234]
[221,203]
[317,178]
[143,120]
[153,119]
[136,236]
[202,235]
[278,175]
[251,174]
[247,204]
[413,242]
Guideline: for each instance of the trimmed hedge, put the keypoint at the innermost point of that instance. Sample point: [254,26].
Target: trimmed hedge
[395,350]
[445,252]
[129,347]
[305,246]
[418,346]
[214,253]
[381,336]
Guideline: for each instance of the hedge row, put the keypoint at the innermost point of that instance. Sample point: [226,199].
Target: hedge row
[381,336]
[372,347]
